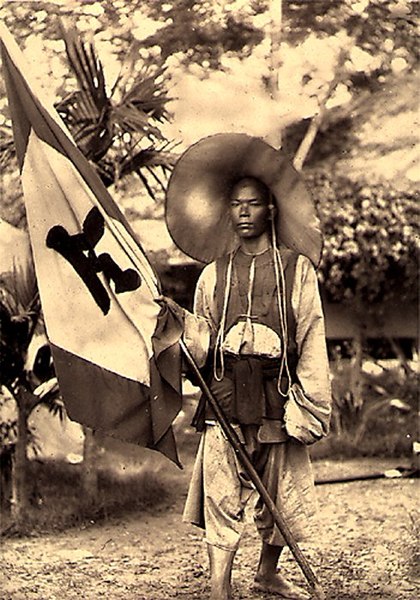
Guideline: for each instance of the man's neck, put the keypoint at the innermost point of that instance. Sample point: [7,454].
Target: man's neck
[255,245]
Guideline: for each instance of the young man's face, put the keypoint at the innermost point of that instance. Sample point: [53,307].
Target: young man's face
[249,209]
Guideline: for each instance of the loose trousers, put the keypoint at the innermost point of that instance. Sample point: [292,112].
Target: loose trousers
[220,490]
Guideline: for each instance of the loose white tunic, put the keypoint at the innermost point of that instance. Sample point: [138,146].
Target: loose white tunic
[307,416]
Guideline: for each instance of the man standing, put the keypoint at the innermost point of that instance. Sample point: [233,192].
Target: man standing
[266,360]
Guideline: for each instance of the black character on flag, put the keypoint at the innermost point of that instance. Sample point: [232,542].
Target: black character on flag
[79,250]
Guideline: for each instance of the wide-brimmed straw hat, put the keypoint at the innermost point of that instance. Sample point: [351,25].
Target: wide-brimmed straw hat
[197,197]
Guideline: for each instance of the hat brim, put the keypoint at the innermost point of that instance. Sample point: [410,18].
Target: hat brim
[197,197]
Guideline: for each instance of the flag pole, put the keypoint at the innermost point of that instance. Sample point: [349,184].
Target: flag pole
[244,458]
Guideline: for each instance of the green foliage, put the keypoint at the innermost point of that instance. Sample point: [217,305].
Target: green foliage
[19,312]
[371,240]
[376,25]
[117,130]
[19,316]
[203,31]
[8,428]
[58,502]
[116,127]
[384,424]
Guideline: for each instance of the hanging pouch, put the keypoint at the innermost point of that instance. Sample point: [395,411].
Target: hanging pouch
[304,420]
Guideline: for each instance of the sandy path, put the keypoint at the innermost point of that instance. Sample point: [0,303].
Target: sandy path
[365,550]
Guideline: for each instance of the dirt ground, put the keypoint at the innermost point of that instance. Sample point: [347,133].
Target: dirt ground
[365,549]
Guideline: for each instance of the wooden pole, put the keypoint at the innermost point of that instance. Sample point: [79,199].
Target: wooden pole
[244,458]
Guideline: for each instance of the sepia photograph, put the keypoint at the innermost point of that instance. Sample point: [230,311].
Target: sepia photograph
[209,300]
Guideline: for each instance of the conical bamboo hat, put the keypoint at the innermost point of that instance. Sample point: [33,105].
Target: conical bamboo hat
[197,198]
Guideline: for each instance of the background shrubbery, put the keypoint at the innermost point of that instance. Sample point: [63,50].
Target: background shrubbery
[57,499]
[384,425]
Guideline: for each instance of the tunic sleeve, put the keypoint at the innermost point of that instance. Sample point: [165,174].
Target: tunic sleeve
[199,326]
[312,367]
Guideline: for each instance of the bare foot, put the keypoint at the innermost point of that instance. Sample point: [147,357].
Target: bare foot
[220,594]
[276,584]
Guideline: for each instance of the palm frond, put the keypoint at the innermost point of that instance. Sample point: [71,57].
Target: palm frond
[86,110]
[147,94]
[19,293]
[132,120]
[109,128]
[150,158]
[56,407]
[157,179]
[88,70]
[7,146]
[127,70]
[145,183]
[19,313]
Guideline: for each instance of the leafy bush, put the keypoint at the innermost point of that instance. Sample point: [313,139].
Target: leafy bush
[371,240]
[57,501]
[384,424]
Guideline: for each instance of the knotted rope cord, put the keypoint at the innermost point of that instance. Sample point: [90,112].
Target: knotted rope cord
[248,315]
[281,302]
[218,350]
[282,307]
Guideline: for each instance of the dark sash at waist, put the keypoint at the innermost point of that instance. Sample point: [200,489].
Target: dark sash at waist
[249,391]
[269,366]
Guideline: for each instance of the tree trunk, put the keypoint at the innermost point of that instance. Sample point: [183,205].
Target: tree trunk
[311,133]
[90,467]
[20,499]
[275,10]
[6,477]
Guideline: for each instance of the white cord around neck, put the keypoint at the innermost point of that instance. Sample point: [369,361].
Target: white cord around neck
[282,308]
[218,349]
[219,373]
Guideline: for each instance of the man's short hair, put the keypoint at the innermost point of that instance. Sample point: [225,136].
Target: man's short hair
[248,181]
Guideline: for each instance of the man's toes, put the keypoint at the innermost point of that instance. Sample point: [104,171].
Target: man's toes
[282,587]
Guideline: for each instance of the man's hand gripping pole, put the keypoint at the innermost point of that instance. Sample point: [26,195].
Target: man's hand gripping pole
[244,458]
